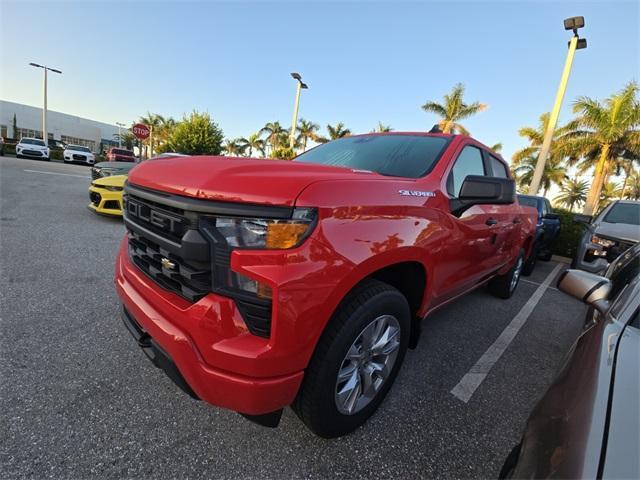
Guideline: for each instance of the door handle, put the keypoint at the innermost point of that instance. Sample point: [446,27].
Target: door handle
[491,222]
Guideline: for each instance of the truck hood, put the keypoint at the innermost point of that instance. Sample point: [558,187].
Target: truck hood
[619,231]
[233,179]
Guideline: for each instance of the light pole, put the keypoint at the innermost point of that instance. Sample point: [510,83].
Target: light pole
[300,85]
[119,137]
[45,137]
[576,43]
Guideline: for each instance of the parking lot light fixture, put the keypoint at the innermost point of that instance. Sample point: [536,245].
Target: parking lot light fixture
[46,69]
[294,124]
[576,43]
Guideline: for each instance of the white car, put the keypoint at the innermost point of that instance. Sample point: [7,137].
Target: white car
[32,148]
[78,153]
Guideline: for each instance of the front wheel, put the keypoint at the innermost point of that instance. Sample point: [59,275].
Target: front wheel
[503,286]
[356,361]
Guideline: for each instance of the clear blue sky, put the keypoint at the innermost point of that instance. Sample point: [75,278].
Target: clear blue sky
[363,61]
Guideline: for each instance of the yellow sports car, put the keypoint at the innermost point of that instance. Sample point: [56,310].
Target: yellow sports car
[106,195]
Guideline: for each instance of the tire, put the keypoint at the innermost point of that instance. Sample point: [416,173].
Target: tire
[503,286]
[318,404]
[530,264]
[545,256]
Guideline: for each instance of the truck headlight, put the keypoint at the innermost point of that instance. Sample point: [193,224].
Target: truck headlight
[602,241]
[267,233]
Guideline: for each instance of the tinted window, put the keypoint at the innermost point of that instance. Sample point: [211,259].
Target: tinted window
[499,169]
[528,201]
[117,151]
[409,156]
[469,162]
[624,213]
[623,270]
[32,141]
[78,148]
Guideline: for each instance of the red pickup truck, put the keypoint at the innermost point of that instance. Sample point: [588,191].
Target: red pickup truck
[258,284]
[120,155]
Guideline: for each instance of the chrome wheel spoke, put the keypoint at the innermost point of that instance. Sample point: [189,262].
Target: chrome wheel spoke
[367,364]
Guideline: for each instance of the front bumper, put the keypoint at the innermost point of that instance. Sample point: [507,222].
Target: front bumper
[105,202]
[170,322]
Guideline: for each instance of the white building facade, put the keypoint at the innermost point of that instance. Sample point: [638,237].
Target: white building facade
[60,126]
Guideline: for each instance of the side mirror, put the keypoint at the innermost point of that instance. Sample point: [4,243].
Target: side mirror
[480,190]
[552,216]
[579,218]
[587,287]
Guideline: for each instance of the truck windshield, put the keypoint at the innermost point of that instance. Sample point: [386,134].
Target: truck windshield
[624,213]
[409,156]
[117,151]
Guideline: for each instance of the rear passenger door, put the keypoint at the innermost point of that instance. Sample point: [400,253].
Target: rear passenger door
[508,221]
[470,254]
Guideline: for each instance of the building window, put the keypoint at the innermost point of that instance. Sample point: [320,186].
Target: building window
[79,141]
[27,132]
[3,131]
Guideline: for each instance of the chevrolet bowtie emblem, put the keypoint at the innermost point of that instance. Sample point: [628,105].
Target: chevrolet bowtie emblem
[168,264]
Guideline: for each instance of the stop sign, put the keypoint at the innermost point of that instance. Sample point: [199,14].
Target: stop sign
[141,131]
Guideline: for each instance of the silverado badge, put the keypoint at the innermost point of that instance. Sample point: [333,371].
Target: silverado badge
[168,264]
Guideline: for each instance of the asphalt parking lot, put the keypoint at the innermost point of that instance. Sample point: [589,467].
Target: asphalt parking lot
[79,399]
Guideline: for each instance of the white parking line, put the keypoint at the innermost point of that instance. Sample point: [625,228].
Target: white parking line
[471,381]
[536,283]
[55,173]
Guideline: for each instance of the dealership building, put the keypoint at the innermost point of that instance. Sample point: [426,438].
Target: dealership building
[60,126]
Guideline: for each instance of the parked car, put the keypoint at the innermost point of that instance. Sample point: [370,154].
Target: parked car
[256,285]
[613,231]
[106,195]
[56,144]
[107,169]
[587,424]
[78,153]
[547,230]
[116,154]
[32,148]
[1,146]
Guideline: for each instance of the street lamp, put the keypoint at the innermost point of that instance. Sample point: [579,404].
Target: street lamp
[45,137]
[119,137]
[300,85]
[576,43]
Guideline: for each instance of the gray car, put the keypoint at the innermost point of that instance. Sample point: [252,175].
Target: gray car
[613,231]
[587,425]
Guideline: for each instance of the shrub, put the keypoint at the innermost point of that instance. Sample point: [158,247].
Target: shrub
[196,134]
[570,233]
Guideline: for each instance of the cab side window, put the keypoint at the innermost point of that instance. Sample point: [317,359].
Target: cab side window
[469,162]
[498,168]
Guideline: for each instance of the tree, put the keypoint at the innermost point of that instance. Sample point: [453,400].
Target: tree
[154,121]
[335,132]
[15,128]
[632,188]
[307,131]
[382,128]
[610,190]
[535,136]
[274,132]
[573,193]
[163,131]
[553,172]
[254,142]
[233,147]
[497,147]
[282,153]
[196,134]
[453,109]
[602,133]
[126,138]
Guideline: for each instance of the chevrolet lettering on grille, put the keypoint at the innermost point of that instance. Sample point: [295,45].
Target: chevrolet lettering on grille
[149,215]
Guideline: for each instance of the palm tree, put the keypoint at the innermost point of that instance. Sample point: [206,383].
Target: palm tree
[154,121]
[307,131]
[573,193]
[164,130]
[382,128]
[535,136]
[335,132]
[610,190]
[233,147]
[632,188]
[453,110]
[553,172]
[254,142]
[602,133]
[274,132]
[497,147]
